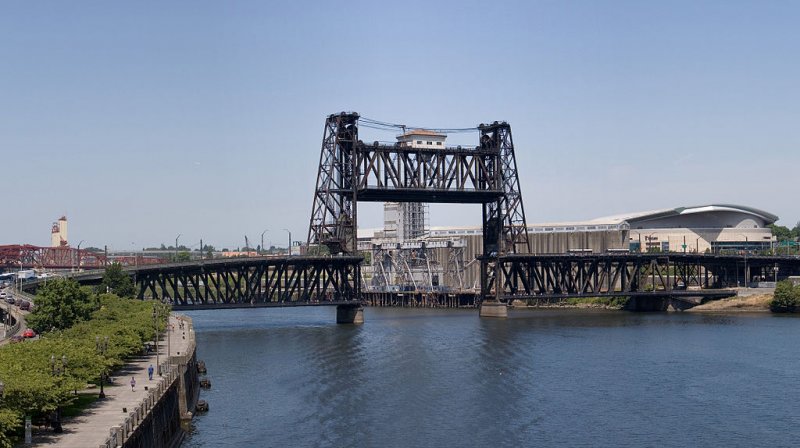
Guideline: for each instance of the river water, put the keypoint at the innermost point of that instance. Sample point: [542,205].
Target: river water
[291,377]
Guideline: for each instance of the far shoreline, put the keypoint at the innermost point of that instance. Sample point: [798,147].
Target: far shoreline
[758,303]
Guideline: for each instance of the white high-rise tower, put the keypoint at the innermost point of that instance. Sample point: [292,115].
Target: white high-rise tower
[408,220]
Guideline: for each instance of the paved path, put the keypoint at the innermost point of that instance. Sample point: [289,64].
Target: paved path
[91,428]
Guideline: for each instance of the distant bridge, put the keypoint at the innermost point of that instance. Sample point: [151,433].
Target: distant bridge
[27,256]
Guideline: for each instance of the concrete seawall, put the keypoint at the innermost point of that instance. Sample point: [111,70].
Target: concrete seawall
[161,418]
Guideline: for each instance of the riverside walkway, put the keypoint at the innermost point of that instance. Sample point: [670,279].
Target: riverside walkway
[91,428]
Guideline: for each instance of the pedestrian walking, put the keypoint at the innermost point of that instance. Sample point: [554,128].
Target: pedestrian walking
[150,372]
[133,384]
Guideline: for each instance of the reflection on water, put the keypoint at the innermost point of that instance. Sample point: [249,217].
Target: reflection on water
[411,377]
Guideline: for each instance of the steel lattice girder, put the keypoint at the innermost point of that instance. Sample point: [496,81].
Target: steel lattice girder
[254,282]
[445,175]
[621,274]
[333,213]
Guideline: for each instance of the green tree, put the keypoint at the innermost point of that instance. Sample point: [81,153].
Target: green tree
[782,233]
[117,281]
[9,424]
[183,256]
[60,304]
[31,388]
[786,298]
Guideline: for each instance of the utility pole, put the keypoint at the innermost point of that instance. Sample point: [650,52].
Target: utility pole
[289,248]
[201,248]
[176,246]
[262,239]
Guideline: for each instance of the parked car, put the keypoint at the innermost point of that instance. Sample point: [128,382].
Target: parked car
[17,338]
[10,300]
[24,305]
[29,333]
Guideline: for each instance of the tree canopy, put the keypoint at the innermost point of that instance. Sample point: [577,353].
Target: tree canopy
[117,281]
[32,389]
[783,233]
[60,304]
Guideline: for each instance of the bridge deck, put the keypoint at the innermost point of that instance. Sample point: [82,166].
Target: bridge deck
[434,195]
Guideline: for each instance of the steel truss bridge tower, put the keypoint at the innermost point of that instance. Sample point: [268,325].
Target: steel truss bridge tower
[351,171]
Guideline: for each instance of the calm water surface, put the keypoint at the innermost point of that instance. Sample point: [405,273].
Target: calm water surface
[430,378]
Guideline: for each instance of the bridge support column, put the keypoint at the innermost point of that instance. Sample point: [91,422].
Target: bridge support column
[349,314]
[493,309]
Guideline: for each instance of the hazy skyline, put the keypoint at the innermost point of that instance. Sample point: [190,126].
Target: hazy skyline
[141,121]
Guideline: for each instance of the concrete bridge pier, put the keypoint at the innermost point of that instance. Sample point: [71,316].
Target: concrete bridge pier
[493,309]
[350,314]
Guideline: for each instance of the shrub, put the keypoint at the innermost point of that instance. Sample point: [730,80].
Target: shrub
[786,298]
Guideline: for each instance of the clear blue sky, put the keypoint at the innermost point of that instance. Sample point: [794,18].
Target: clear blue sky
[143,120]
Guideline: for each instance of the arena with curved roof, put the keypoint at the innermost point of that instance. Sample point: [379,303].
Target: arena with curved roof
[703,228]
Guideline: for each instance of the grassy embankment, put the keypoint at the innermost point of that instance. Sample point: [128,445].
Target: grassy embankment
[607,303]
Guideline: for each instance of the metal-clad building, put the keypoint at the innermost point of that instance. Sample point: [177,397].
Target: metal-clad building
[431,261]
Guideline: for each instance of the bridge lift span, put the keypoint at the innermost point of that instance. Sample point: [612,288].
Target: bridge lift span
[351,171]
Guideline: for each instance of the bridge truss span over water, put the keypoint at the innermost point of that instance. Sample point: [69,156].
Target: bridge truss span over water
[258,281]
[567,275]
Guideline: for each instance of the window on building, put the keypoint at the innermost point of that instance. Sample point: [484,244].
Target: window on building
[419,142]
[438,143]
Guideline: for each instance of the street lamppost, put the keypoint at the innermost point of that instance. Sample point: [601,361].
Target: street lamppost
[262,239]
[289,249]
[746,250]
[101,345]
[78,255]
[58,370]
[176,246]
[155,328]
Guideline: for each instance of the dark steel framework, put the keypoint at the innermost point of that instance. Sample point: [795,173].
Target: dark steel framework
[351,171]
[293,281]
[556,276]
[261,281]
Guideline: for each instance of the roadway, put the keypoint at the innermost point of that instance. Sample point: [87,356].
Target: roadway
[18,314]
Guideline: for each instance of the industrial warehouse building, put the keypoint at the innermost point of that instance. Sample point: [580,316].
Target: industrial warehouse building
[444,257]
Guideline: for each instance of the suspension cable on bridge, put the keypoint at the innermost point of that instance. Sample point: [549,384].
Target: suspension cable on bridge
[385,126]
